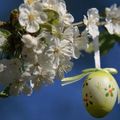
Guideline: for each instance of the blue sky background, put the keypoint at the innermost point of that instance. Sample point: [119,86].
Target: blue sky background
[55,102]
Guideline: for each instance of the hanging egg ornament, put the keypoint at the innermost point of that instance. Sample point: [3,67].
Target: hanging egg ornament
[99,93]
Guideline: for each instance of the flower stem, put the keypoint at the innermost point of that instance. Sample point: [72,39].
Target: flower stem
[79,24]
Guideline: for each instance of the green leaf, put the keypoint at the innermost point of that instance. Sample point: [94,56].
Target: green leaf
[53,16]
[46,26]
[5,32]
[3,95]
[5,92]
[107,42]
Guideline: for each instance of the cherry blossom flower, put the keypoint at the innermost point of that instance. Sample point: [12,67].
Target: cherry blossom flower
[91,22]
[11,71]
[29,41]
[30,2]
[44,75]
[2,39]
[80,42]
[65,17]
[2,67]
[64,67]
[59,6]
[31,18]
[59,50]
[47,41]
[113,19]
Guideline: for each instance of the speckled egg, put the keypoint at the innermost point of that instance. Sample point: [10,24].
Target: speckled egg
[99,93]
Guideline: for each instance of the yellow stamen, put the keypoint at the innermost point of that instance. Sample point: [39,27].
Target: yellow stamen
[30,1]
[56,51]
[31,17]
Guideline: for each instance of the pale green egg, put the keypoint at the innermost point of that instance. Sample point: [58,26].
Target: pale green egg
[99,93]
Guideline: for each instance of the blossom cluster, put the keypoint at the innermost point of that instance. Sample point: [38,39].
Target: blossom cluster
[111,22]
[49,42]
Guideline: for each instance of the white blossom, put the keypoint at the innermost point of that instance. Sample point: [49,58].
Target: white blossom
[2,67]
[80,42]
[60,7]
[47,49]
[64,67]
[31,2]
[11,72]
[43,41]
[29,41]
[113,19]
[2,39]
[19,87]
[45,75]
[31,18]
[50,4]
[29,56]
[60,49]
[27,90]
[65,17]
[38,75]
[68,34]
[16,88]
[91,22]
[44,61]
